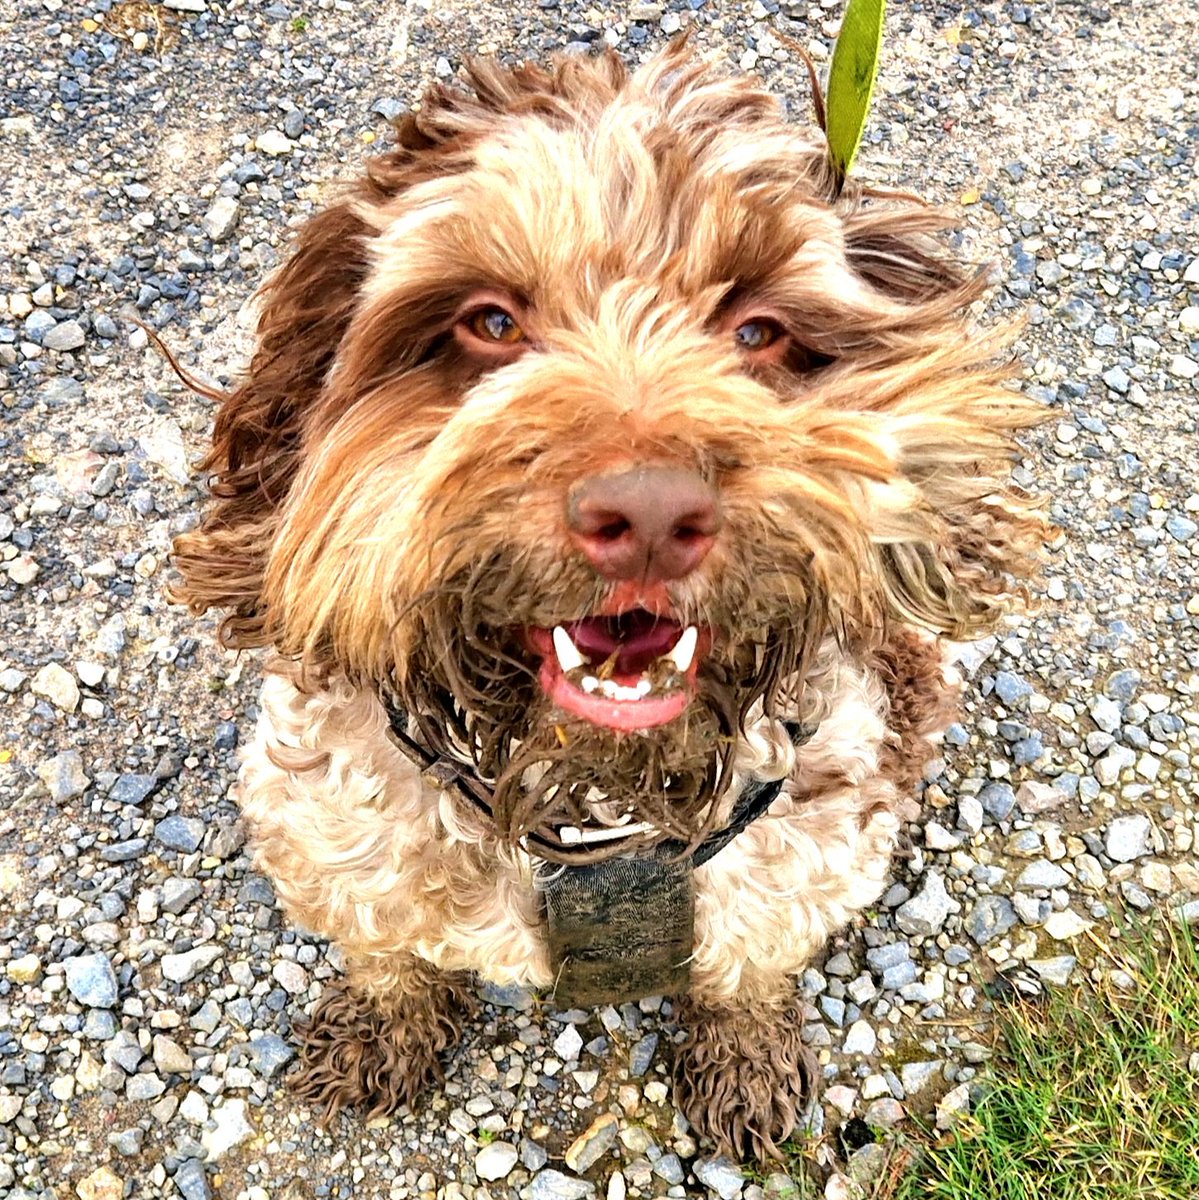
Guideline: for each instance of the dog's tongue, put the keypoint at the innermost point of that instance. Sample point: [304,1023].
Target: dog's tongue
[636,638]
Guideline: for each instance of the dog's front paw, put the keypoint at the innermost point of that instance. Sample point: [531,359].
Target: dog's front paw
[359,1050]
[743,1076]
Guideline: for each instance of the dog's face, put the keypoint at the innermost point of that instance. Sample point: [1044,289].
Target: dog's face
[587,416]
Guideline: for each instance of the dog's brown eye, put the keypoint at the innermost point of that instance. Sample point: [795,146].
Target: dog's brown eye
[757,335]
[495,325]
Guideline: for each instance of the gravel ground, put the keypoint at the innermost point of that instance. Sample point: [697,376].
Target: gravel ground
[155,160]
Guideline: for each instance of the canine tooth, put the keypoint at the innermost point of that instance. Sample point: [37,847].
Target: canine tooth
[644,686]
[684,648]
[568,653]
[570,835]
[589,683]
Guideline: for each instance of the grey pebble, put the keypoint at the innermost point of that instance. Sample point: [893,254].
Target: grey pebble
[997,800]
[892,954]
[1009,687]
[721,1175]
[179,968]
[11,680]
[127,1142]
[641,1056]
[532,1155]
[144,1086]
[192,1181]
[269,1055]
[67,335]
[180,833]
[669,1167]
[91,980]
[928,910]
[64,776]
[118,852]
[1042,874]
[133,789]
[990,918]
[177,894]
[1054,970]
[553,1185]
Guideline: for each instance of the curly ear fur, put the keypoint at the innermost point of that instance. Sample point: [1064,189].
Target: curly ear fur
[954,568]
[256,439]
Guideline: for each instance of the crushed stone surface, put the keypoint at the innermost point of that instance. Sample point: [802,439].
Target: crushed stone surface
[156,160]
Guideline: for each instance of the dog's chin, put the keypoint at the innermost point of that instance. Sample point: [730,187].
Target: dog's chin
[579,759]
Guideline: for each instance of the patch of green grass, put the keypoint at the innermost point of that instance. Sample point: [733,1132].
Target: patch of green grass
[1091,1094]
[299,24]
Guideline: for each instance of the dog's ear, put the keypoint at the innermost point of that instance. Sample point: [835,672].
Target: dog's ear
[970,539]
[256,437]
[306,309]
[894,248]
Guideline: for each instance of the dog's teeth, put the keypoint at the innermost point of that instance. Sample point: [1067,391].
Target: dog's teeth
[684,649]
[644,686]
[570,835]
[618,691]
[568,654]
[589,684]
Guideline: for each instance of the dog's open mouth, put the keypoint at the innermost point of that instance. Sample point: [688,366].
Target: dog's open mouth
[630,672]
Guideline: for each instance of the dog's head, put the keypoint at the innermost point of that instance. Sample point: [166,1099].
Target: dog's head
[591,411]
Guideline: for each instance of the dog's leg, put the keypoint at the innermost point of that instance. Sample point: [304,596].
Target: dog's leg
[375,1038]
[744,1075]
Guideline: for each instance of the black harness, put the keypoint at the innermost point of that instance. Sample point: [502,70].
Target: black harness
[622,927]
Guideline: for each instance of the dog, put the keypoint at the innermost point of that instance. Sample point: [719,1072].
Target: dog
[607,481]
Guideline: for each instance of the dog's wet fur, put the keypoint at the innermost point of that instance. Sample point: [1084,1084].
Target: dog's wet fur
[555,277]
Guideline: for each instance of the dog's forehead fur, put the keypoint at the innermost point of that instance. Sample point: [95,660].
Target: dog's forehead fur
[675,177]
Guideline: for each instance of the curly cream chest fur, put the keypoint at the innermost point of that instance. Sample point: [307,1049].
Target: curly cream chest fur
[360,849]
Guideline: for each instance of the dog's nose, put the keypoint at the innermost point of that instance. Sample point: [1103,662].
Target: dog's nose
[651,524]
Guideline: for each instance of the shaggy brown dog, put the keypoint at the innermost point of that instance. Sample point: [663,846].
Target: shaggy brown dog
[603,434]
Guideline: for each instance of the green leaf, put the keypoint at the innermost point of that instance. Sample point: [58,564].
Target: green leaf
[851,78]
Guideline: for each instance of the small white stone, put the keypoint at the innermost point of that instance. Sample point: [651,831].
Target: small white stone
[164,447]
[953,1106]
[90,673]
[495,1161]
[58,686]
[568,1044]
[1062,926]
[861,1038]
[230,1127]
[290,976]
[1128,838]
[194,1109]
[275,142]
[220,220]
